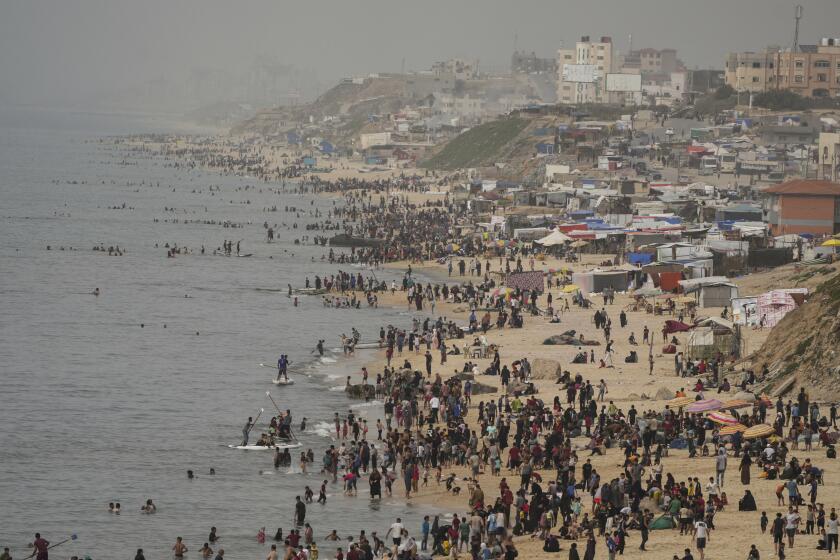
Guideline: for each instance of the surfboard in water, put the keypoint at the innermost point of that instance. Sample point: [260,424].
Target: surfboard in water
[283,381]
[252,447]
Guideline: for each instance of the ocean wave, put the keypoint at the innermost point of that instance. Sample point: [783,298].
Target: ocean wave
[367,404]
[323,429]
[337,388]
[328,360]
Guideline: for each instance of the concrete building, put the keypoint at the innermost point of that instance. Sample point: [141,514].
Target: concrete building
[811,71]
[530,63]
[829,156]
[653,61]
[803,206]
[599,55]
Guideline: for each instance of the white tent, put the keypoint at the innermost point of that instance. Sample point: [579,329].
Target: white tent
[556,237]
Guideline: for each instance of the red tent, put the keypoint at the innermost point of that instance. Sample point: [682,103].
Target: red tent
[675,326]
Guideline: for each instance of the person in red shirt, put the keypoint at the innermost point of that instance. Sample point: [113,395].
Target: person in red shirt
[41,547]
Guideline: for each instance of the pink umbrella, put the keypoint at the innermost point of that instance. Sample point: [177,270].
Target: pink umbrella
[704,405]
[722,418]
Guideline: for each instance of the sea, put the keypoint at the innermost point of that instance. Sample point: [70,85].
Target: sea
[113,398]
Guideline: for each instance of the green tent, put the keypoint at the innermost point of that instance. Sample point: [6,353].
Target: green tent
[664,521]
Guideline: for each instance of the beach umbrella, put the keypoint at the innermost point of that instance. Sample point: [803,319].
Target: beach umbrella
[732,429]
[680,402]
[759,431]
[706,405]
[734,404]
[831,243]
[569,288]
[722,418]
[580,243]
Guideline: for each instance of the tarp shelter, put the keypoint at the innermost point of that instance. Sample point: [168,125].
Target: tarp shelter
[664,521]
[712,336]
[640,258]
[745,310]
[554,238]
[775,304]
[717,295]
[676,326]
[596,281]
[531,281]
[694,284]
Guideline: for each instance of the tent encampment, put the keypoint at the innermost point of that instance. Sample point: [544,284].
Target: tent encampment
[554,238]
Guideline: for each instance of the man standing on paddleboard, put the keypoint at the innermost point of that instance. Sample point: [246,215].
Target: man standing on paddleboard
[247,430]
[282,366]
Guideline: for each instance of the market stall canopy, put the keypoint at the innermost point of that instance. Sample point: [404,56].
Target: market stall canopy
[553,238]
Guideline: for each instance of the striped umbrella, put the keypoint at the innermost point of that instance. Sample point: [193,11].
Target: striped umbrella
[704,405]
[759,431]
[680,402]
[732,429]
[734,404]
[722,418]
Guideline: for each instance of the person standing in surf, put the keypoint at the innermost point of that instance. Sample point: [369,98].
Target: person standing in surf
[41,546]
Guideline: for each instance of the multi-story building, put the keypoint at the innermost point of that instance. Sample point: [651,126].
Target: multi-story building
[802,206]
[581,72]
[810,71]
[530,63]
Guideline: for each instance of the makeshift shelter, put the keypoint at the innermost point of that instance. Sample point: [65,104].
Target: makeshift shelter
[554,238]
[745,310]
[531,281]
[775,304]
[712,336]
[672,326]
[596,281]
[717,295]
[664,521]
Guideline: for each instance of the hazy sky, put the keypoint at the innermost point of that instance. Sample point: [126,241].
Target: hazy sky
[57,52]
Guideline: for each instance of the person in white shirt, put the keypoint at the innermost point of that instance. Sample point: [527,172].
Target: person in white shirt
[831,531]
[791,524]
[712,489]
[434,403]
[701,534]
[396,532]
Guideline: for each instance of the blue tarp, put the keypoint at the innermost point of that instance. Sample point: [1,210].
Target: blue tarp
[640,258]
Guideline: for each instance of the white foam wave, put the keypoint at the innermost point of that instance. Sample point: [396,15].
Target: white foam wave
[322,429]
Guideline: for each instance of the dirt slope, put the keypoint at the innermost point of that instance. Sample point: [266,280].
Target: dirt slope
[803,350]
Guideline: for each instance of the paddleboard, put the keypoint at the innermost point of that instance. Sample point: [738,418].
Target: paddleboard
[283,381]
[252,447]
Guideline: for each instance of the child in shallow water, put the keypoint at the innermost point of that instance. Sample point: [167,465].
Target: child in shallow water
[261,536]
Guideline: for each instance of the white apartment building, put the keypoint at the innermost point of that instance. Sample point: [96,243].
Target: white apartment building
[582,71]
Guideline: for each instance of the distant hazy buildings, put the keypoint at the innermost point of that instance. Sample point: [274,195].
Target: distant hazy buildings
[810,71]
